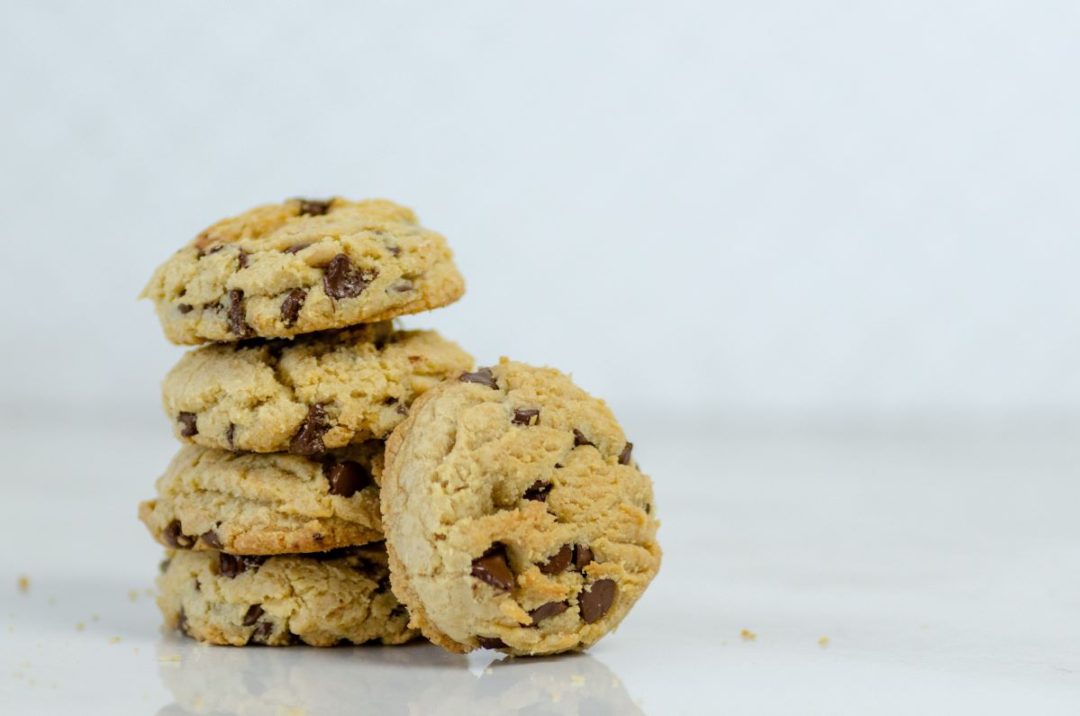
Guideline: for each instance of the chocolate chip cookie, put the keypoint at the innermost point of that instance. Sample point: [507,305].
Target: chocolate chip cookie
[515,515]
[308,395]
[249,503]
[321,600]
[285,269]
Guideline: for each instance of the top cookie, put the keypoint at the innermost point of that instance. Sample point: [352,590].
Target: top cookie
[284,269]
[514,514]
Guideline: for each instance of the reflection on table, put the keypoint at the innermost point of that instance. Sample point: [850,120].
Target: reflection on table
[414,679]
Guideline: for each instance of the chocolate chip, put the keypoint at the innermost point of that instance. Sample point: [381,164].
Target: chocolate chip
[490,642]
[343,279]
[318,536]
[175,537]
[230,433]
[290,307]
[242,259]
[493,567]
[164,565]
[538,491]
[237,317]
[230,565]
[346,478]
[184,307]
[583,556]
[580,439]
[188,428]
[394,250]
[624,456]
[210,537]
[262,633]
[402,409]
[524,416]
[483,376]
[296,248]
[182,623]
[596,600]
[559,562]
[308,439]
[402,286]
[252,615]
[314,207]
[545,611]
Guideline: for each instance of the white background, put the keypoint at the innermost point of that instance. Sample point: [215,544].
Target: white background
[820,257]
[776,208]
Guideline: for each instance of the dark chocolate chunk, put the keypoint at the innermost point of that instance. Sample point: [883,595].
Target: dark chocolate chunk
[182,623]
[184,307]
[343,279]
[624,456]
[524,416]
[261,633]
[237,317]
[394,250]
[596,600]
[346,478]
[559,562]
[493,567]
[230,433]
[290,307]
[545,611]
[230,565]
[308,439]
[210,537]
[296,248]
[538,491]
[583,556]
[402,286]
[490,642]
[242,259]
[188,428]
[163,565]
[314,207]
[252,615]
[483,376]
[580,439]
[175,537]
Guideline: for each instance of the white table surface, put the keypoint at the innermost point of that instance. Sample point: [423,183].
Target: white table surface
[943,566]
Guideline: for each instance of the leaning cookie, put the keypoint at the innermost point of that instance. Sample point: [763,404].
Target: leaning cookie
[515,515]
[285,269]
[307,395]
[321,600]
[248,503]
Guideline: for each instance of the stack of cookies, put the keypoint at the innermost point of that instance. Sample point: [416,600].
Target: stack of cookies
[344,481]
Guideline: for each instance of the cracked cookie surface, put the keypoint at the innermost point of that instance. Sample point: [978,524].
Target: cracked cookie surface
[286,269]
[311,394]
[248,503]
[320,600]
[515,515]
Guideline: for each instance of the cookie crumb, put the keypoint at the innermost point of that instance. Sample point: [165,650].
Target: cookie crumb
[24,583]
[80,627]
[52,601]
[133,595]
[823,642]
[748,635]
[577,679]
[169,658]
[114,640]
[94,617]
